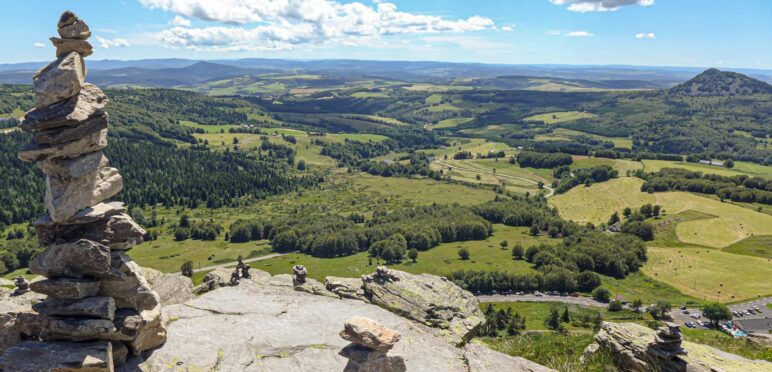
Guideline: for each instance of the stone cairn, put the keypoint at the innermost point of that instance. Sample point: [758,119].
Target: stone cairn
[99,303]
[370,343]
[667,342]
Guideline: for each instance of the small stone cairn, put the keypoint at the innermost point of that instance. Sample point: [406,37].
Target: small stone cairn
[667,342]
[99,302]
[370,344]
[299,274]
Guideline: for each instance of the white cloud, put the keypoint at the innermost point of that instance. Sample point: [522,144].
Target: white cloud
[579,34]
[39,45]
[649,35]
[180,21]
[280,25]
[553,33]
[508,28]
[107,43]
[584,6]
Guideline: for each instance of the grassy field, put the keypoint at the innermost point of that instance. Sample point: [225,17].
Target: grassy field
[554,350]
[639,286]
[598,202]
[440,260]
[740,168]
[732,223]
[491,172]
[723,341]
[758,246]
[560,116]
[621,165]
[422,191]
[563,134]
[536,312]
[208,128]
[449,123]
[710,274]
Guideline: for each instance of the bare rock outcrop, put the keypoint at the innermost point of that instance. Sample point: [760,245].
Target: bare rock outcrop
[97,296]
[637,348]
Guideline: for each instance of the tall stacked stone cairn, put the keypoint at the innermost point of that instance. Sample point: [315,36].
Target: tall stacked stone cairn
[99,305]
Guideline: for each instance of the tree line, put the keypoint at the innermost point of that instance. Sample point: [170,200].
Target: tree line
[740,188]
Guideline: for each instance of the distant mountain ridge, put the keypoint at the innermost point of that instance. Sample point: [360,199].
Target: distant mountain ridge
[713,82]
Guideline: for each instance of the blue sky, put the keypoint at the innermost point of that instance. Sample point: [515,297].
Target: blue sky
[715,33]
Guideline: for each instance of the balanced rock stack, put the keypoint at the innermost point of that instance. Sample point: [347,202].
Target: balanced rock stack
[99,303]
[370,343]
[667,342]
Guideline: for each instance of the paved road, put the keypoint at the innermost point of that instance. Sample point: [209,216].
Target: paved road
[476,170]
[583,301]
[213,267]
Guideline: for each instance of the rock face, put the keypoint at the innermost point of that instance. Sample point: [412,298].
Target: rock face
[266,325]
[96,293]
[483,359]
[637,348]
[431,300]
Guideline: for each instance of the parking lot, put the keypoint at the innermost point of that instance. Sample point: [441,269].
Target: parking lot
[751,315]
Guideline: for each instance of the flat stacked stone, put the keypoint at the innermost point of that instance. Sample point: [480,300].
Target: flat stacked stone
[99,305]
[370,344]
[667,342]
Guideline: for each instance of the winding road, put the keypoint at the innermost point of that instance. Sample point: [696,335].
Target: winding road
[220,266]
[477,170]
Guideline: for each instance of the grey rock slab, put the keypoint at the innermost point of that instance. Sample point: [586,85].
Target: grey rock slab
[70,169]
[66,46]
[66,288]
[345,287]
[67,150]
[75,30]
[77,260]
[33,356]
[274,328]
[59,80]
[120,352]
[429,299]
[483,359]
[89,102]
[119,232]
[72,132]
[64,199]
[75,329]
[86,215]
[173,288]
[96,307]
[134,291]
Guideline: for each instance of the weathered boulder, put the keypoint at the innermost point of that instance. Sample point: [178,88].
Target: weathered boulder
[75,260]
[66,46]
[86,215]
[345,287]
[151,275]
[314,287]
[370,334]
[152,331]
[67,18]
[214,279]
[32,356]
[71,133]
[94,142]
[74,28]
[64,199]
[119,232]
[431,300]
[72,169]
[59,80]
[636,348]
[95,307]
[89,102]
[74,328]
[66,288]
[482,359]
[172,288]
[134,291]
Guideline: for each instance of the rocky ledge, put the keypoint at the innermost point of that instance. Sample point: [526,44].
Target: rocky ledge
[637,348]
[264,324]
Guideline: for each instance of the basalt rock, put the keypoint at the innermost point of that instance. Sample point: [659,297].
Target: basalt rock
[89,102]
[93,307]
[66,288]
[428,299]
[60,80]
[71,133]
[33,356]
[67,150]
[118,232]
[77,260]
[65,199]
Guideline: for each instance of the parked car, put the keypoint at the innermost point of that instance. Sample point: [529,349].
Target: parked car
[690,324]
